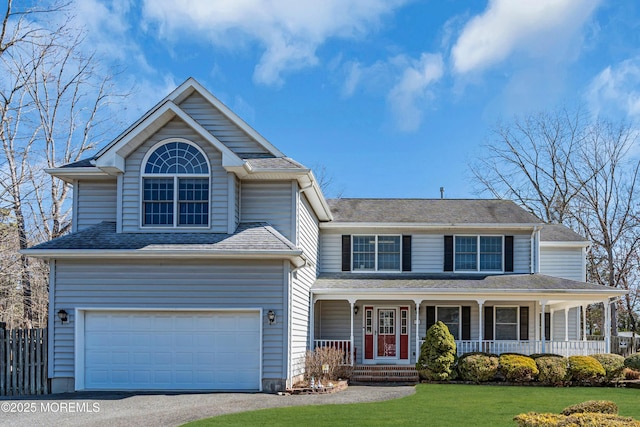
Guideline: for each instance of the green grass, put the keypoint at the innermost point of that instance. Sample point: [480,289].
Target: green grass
[437,405]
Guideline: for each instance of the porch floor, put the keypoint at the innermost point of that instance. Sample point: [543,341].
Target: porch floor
[389,374]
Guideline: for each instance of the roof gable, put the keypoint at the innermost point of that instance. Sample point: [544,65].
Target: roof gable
[112,158]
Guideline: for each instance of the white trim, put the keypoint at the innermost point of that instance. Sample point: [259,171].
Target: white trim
[376,269]
[568,244]
[478,253]
[428,225]
[80,312]
[231,203]
[51,319]
[74,206]
[119,192]
[176,177]
[69,174]
[287,280]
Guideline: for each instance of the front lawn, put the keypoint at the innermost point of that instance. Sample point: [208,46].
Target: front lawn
[438,405]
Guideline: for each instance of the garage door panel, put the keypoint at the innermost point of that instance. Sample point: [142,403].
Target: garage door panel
[183,350]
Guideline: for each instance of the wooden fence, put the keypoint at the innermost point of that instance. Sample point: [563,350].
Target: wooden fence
[23,362]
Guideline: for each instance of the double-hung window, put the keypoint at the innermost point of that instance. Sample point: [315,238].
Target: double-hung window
[506,323]
[450,316]
[175,187]
[479,253]
[376,253]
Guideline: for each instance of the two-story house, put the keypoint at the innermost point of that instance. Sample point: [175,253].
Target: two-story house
[202,258]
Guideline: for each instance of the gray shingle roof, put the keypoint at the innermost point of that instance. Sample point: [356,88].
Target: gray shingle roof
[274,163]
[436,211]
[559,233]
[251,237]
[454,282]
[84,163]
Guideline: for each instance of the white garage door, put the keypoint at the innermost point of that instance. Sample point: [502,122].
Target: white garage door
[172,350]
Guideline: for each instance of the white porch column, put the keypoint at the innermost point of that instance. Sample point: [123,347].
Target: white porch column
[543,328]
[352,345]
[480,323]
[607,325]
[584,322]
[312,324]
[417,328]
[566,323]
[551,318]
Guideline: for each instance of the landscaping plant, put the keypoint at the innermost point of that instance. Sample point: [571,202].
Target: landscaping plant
[613,365]
[437,354]
[518,368]
[585,370]
[553,370]
[478,367]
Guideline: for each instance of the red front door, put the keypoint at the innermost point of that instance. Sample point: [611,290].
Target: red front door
[386,332]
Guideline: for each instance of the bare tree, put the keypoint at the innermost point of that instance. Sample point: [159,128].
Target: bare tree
[52,98]
[566,168]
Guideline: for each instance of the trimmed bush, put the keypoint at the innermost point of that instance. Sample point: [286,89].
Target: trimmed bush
[437,354]
[633,362]
[613,365]
[533,419]
[539,355]
[552,370]
[478,367]
[585,369]
[518,368]
[599,406]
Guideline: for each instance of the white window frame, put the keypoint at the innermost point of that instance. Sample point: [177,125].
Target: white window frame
[495,324]
[175,177]
[459,307]
[376,269]
[477,270]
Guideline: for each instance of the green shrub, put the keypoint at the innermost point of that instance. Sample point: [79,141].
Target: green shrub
[533,419]
[633,362]
[553,370]
[613,365]
[599,406]
[478,367]
[539,355]
[518,368]
[437,354]
[585,369]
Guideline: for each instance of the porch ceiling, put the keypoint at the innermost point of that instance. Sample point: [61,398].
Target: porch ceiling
[478,285]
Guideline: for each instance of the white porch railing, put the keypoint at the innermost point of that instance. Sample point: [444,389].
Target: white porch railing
[563,348]
[344,345]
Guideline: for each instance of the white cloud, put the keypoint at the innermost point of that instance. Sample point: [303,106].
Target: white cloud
[409,96]
[407,83]
[289,31]
[616,89]
[541,29]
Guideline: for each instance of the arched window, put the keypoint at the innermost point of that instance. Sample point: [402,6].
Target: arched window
[175,184]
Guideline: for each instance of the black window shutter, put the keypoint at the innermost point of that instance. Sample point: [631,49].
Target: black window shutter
[406,253]
[547,326]
[508,253]
[448,253]
[524,323]
[488,323]
[431,316]
[346,252]
[466,323]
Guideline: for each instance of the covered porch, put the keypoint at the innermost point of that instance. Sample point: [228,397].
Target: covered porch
[383,319]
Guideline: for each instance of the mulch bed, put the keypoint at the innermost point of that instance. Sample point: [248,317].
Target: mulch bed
[335,387]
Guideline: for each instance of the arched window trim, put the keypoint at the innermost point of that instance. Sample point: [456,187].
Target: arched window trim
[176,177]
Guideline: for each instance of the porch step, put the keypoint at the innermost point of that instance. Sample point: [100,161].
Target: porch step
[390,374]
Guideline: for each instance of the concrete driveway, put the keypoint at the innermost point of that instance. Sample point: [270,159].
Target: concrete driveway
[146,409]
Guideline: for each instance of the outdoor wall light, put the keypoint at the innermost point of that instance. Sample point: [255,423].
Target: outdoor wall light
[63,316]
[355,310]
[271,315]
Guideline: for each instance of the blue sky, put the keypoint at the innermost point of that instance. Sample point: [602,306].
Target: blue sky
[392,97]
